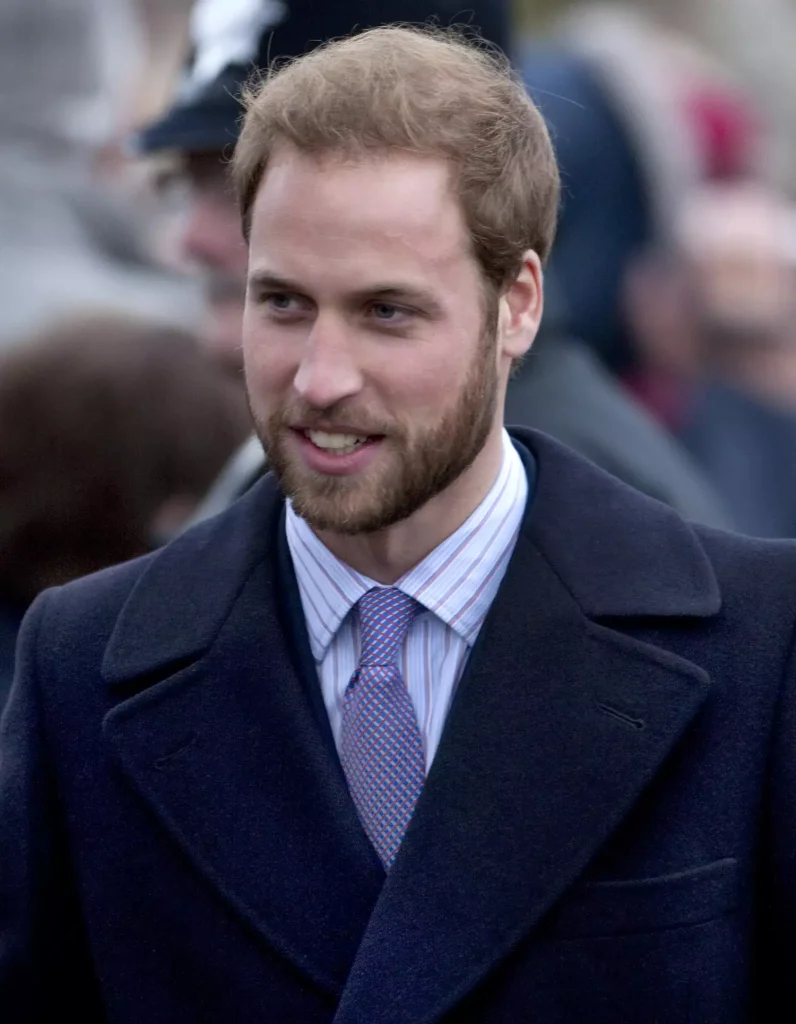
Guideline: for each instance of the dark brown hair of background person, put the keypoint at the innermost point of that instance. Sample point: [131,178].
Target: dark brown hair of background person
[107,425]
[426,92]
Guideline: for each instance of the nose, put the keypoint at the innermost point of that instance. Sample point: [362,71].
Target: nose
[328,372]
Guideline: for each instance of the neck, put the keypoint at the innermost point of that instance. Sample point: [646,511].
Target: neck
[388,555]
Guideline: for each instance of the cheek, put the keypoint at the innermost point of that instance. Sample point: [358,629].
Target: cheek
[426,382]
[270,364]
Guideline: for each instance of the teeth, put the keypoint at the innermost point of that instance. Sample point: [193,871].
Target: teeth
[342,443]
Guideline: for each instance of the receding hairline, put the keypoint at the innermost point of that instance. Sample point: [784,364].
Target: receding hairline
[285,149]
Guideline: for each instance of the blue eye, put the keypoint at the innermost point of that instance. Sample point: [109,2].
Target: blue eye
[387,313]
[284,305]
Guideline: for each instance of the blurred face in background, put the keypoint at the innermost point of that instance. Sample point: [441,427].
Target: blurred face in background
[211,240]
[721,302]
[738,239]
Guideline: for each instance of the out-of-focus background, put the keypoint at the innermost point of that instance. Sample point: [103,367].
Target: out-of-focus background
[668,353]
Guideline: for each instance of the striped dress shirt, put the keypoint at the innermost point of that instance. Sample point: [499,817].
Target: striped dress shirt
[455,585]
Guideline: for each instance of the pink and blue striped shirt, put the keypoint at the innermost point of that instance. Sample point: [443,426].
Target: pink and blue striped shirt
[455,584]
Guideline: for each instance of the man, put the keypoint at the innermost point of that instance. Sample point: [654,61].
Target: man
[434,724]
[604,423]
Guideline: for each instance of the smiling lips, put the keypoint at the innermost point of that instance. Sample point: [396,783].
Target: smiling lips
[333,453]
[336,444]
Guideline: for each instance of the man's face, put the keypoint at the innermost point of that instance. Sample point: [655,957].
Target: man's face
[371,362]
[211,239]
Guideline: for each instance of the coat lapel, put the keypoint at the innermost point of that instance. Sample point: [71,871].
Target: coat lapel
[228,752]
[557,727]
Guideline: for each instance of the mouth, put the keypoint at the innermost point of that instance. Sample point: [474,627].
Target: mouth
[337,452]
[336,443]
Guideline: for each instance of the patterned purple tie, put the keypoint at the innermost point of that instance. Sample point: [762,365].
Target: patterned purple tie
[381,748]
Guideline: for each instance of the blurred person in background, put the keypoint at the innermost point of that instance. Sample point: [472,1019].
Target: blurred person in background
[70,233]
[564,390]
[690,355]
[560,389]
[112,429]
[639,121]
[603,84]
[739,241]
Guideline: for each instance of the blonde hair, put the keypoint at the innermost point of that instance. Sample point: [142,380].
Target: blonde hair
[425,91]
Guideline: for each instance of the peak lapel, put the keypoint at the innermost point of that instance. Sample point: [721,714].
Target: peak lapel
[229,754]
[558,726]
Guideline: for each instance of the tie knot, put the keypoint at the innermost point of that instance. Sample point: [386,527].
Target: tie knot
[385,615]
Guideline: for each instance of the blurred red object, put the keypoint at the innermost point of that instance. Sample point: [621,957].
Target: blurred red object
[726,130]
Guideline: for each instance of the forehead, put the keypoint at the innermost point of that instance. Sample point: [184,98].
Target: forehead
[394,211]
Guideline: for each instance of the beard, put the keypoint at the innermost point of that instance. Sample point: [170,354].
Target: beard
[414,466]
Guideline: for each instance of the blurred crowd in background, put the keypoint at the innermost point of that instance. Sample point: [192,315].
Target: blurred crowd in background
[668,353]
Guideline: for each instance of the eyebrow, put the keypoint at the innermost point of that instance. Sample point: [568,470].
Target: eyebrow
[380,291]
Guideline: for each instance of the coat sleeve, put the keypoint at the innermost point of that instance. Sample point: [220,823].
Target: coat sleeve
[45,968]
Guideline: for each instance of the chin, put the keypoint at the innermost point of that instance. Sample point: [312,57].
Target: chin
[338,515]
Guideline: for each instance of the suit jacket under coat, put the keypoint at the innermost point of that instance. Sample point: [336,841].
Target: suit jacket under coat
[607,833]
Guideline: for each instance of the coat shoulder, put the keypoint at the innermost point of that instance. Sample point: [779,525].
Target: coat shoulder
[757,581]
[91,604]
[196,573]
[758,567]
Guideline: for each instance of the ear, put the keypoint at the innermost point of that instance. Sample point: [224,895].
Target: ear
[520,310]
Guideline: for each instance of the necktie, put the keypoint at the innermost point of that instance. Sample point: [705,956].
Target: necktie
[381,747]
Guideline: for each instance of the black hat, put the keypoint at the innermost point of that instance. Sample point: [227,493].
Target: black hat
[233,37]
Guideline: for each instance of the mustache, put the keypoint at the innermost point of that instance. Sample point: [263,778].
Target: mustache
[341,416]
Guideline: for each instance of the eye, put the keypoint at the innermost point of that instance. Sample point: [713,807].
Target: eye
[280,301]
[389,314]
[283,304]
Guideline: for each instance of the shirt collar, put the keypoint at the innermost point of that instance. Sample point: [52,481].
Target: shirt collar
[457,581]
